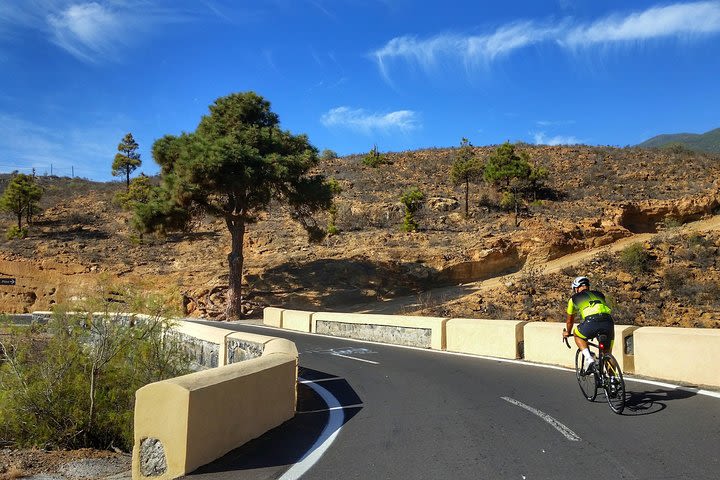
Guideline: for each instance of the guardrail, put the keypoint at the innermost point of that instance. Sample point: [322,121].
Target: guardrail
[684,355]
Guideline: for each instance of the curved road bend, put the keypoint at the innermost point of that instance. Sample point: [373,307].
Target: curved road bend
[398,413]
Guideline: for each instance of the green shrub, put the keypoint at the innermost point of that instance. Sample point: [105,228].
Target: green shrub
[508,201]
[71,383]
[374,159]
[671,222]
[412,199]
[635,259]
[328,154]
[336,190]
[140,191]
[15,232]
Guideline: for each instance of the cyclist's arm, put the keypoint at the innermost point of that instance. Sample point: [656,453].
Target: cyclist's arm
[568,324]
[570,318]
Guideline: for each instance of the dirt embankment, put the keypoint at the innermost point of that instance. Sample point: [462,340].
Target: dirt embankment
[83,239]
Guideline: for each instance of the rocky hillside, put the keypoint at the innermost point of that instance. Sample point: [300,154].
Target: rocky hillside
[593,197]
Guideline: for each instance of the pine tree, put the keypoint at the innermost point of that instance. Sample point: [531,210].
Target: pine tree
[127,159]
[466,168]
[21,197]
[233,166]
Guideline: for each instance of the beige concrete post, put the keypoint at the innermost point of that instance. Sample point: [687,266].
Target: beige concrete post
[192,420]
[494,338]
[296,320]
[272,317]
[688,355]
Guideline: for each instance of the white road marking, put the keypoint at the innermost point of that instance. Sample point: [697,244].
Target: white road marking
[326,438]
[353,358]
[569,434]
[698,391]
[320,380]
[343,407]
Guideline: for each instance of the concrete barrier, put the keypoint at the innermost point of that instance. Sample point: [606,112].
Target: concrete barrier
[623,348]
[494,338]
[688,355]
[296,320]
[240,347]
[186,422]
[205,343]
[543,344]
[272,317]
[424,332]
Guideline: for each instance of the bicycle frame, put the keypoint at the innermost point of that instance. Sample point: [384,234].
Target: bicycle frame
[607,376]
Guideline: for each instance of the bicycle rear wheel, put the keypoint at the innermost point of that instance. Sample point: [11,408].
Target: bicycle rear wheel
[586,382]
[614,384]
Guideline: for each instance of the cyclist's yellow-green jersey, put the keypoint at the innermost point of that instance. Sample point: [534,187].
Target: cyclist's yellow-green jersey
[587,302]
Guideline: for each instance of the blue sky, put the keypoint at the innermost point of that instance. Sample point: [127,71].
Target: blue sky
[76,75]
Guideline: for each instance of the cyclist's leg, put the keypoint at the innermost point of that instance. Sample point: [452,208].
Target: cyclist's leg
[582,332]
[580,335]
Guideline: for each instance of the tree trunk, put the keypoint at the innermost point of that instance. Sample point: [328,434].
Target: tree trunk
[467,192]
[235,263]
[19,214]
[127,178]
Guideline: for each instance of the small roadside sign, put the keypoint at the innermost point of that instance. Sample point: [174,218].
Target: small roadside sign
[7,281]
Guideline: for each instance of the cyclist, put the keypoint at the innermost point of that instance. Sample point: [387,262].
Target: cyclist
[595,314]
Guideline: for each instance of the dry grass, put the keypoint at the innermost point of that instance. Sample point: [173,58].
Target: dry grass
[12,473]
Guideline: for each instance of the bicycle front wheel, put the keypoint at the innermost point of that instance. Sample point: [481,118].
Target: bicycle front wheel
[587,382]
[614,385]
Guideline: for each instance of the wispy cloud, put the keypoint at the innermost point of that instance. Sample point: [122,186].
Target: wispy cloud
[676,20]
[542,139]
[554,123]
[363,121]
[91,31]
[680,20]
[470,50]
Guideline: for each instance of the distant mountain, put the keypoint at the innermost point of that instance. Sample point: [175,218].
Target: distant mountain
[705,142]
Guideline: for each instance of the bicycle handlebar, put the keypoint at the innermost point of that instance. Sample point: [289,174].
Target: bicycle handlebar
[565,339]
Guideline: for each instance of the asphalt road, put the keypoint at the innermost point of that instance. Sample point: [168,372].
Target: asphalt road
[420,414]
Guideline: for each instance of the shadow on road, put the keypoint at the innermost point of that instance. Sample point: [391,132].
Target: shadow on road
[647,403]
[289,443]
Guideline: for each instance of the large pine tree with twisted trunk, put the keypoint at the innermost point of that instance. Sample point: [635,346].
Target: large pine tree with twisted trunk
[232,166]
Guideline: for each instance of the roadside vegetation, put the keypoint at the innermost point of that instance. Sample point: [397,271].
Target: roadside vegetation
[71,383]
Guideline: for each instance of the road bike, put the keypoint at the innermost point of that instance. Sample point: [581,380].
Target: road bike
[606,375]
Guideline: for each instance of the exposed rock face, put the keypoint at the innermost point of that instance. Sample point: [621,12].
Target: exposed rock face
[40,284]
[503,258]
[646,216]
[442,204]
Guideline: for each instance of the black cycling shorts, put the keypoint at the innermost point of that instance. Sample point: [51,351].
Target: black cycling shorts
[594,325]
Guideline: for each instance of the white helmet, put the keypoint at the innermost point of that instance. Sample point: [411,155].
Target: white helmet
[580,281]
